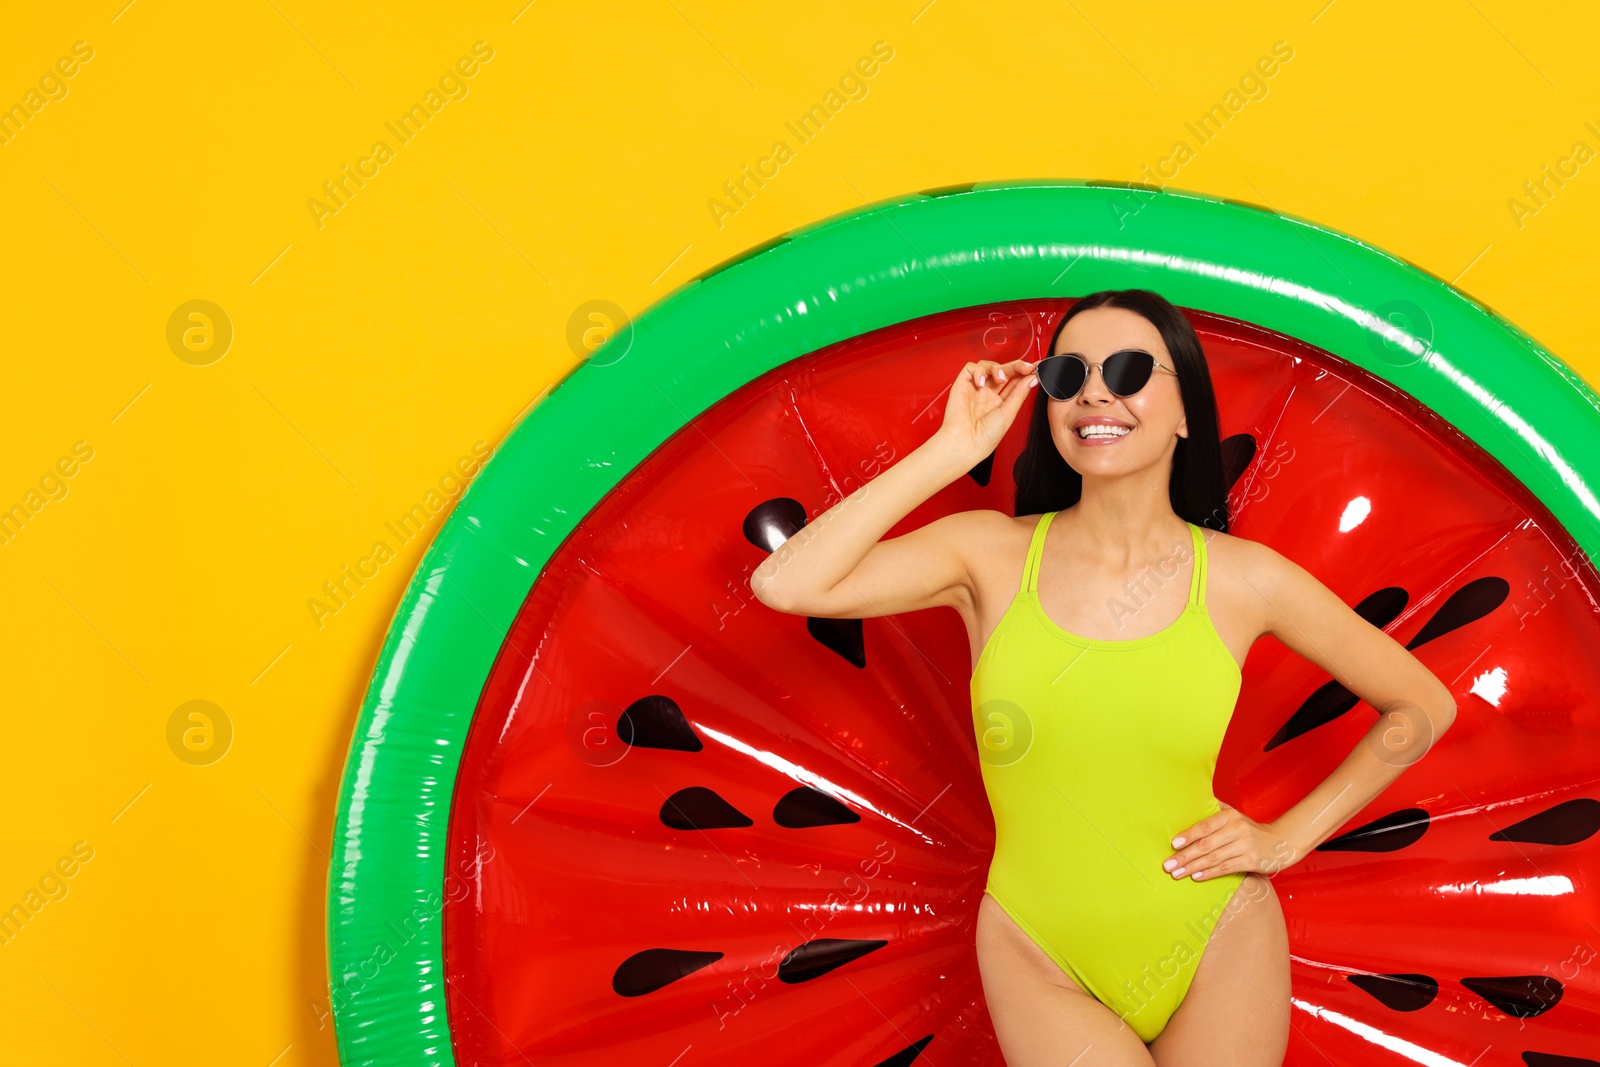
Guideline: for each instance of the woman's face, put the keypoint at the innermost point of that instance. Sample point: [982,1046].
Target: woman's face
[1154,415]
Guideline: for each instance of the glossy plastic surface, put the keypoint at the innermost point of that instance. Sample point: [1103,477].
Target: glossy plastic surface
[568,873]
[798,791]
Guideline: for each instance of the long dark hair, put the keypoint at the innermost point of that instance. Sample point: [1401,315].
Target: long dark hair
[1197,489]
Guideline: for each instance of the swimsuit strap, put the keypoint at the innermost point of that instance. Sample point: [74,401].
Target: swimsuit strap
[1030,569]
[1197,577]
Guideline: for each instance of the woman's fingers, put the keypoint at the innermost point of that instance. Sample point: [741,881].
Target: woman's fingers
[1000,372]
[1214,832]
[1204,864]
[1017,368]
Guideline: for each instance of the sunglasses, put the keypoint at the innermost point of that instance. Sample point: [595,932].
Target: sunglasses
[1125,373]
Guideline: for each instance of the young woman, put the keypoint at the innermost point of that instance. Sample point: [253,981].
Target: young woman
[1128,917]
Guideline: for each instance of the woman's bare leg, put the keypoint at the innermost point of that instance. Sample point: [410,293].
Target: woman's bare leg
[1237,1008]
[1041,1017]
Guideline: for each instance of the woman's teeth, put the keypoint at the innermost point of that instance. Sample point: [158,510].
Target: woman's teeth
[1103,431]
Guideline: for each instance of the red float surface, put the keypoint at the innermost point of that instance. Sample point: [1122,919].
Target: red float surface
[697,830]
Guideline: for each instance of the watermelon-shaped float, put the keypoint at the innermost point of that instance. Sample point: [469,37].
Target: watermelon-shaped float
[603,806]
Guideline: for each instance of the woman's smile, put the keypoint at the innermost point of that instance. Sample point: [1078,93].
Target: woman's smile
[1093,431]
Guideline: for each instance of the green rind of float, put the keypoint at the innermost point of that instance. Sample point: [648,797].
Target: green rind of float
[844,276]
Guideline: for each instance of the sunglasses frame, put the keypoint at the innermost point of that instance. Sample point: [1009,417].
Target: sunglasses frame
[1088,369]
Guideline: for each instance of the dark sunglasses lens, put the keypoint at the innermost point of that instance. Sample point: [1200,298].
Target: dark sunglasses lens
[1127,372]
[1061,376]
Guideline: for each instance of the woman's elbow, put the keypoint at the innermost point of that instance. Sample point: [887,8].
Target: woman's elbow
[1441,711]
[771,592]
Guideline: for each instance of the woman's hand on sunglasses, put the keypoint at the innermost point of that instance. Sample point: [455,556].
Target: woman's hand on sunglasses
[982,404]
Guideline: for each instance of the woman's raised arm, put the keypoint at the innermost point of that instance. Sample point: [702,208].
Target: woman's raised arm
[837,566]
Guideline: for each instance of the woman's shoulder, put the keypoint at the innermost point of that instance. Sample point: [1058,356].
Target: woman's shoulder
[1256,560]
[983,533]
[980,521]
[1228,544]
[1234,542]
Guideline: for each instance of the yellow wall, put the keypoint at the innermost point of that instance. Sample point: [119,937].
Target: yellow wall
[375,346]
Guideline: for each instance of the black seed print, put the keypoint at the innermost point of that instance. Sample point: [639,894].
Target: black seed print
[647,971]
[842,636]
[767,526]
[1331,699]
[1390,833]
[906,1056]
[1566,823]
[1402,992]
[657,722]
[807,806]
[1237,451]
[699,808]
[1550,1059]
[983,470]
[1521,996]
[816,958]
[1468,604]
[772,522]
[1384,606]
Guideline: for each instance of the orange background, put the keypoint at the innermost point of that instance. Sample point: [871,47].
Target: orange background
[385,341]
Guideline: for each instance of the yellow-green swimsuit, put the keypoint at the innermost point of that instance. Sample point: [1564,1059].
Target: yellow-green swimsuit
[1095,755]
